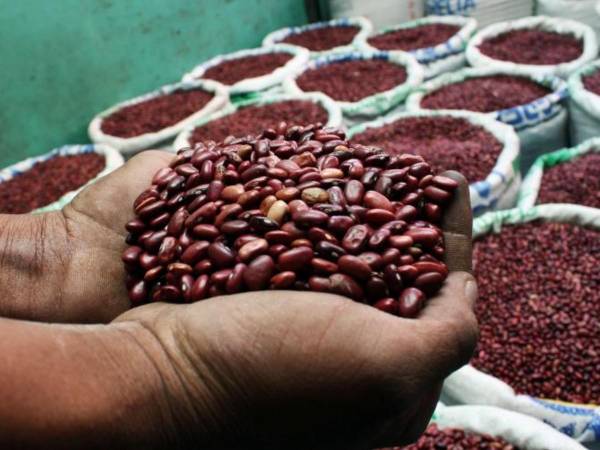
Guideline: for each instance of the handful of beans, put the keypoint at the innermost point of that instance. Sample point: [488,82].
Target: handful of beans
[295,208]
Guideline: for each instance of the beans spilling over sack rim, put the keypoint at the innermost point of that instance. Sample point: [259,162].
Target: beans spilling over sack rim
[539,291]
[292,208]
[423,36]
[231,71]
[486,94]
[47,181]
[436,438]
[576,181]
[533,46]
[324,38]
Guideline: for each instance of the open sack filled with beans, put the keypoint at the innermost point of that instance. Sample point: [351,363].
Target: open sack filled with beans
[570,175]
[50,181]
[364,84]
[534,105]
[251,70]
[437,42]
[538,272]
[584,103]
[539,45]
[157,117]
[488,428]
[484,150]
[290,208]
[250,117]
[338,35]
[485,12]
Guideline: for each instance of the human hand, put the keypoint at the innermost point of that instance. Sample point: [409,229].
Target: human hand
[297,370]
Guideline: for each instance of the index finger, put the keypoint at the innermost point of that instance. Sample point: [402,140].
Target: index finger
[457,226]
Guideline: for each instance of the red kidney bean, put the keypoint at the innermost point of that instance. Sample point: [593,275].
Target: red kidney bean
[388,305]
[410,302]
[220,254]
[324,266]
[356,238]
[295,258]
[344,285]
[378,217]
[310,218]
[425,236]
[354,266]
[354,192]
[436,438]
[259,272]
[393,279]
[252,249]
[321,39]
[414,38]
[276,249]
[319,284]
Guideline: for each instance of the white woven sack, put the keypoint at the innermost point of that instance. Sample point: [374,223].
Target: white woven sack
[524,432]
[112,161]
[445,57]
[581,10]
[362,23]
[381,13]
[500,188]
[376,104]
[255,84]
[129,146]
[334,114]
[584,106]
[485,11]
[532,182]
[471,386]
[542,125]
[553,24]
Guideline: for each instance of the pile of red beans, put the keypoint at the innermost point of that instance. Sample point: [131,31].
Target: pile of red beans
[539,291]
[155,114]
[436,438]
[251,120]
[592,82]
[445,143]
[48,181]
[292,208]
[414,38]
[231,71]
[576,181]
[324,38]
[485,94]
[351,81]
[533,46]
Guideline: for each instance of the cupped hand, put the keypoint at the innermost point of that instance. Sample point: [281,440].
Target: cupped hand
[298,370]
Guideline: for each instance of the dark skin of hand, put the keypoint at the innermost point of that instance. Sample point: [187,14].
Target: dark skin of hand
[264,370]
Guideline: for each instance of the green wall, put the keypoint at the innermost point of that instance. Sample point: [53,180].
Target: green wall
[63,61]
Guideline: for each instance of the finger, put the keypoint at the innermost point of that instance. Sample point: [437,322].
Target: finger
[447,325]
[457,224]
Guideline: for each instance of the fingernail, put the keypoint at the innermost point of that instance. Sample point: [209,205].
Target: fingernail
[471,291]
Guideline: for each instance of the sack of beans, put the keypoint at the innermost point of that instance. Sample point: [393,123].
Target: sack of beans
[570,175]
[251,70]
[539,345]
[437,42]
[381,13]
[539,45]
[157,117]
[267,111]
[485,11]
[473,427]
[338,35]
[484,150]
[364,84]
[533,105]
[50,181]
[581,10]
[584,103]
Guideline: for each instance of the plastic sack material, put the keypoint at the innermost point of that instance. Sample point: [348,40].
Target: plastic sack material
[485,11]
[334,113]
[445,57]
[376,104]
[362,23]
[112,161]
[381,13]
[581,10]
[500,188]
[255,84]
[542,125]
[552,24]
[524,432]
[129,146]
[471,386]
[584,106]
[533,180]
